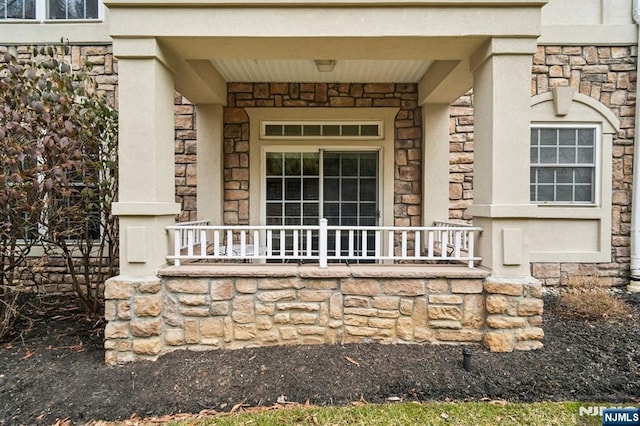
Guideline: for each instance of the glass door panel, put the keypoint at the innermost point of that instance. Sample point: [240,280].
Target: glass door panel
[348,195]
[350,188]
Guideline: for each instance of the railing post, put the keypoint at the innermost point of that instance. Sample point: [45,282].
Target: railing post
[177,243]
[323,242]
[470,249]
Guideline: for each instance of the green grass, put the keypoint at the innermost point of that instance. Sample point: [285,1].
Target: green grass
[433,413]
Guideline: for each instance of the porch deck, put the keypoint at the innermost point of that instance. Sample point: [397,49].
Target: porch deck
[249,270]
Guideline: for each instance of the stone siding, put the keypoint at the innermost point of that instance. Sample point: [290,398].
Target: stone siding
[408,136]
[286,305]
[608,75]
[186,157]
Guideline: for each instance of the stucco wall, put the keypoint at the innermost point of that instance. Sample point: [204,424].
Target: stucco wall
[608,75]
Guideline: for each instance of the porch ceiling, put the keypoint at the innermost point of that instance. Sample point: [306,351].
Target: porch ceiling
[358,59]
[304,70]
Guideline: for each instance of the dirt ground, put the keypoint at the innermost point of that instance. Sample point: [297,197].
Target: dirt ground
[55,371]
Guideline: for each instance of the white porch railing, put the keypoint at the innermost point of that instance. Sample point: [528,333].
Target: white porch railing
[446,241]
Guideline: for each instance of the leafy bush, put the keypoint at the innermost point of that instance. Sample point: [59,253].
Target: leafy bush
[58,174]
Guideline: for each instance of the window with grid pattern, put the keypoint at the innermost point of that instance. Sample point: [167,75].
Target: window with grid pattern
[72,9]
[563,164]
[41,10]
[17,9]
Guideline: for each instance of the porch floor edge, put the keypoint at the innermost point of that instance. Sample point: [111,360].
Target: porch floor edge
[313,271]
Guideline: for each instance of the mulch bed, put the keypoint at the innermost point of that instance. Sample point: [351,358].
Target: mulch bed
[51,368]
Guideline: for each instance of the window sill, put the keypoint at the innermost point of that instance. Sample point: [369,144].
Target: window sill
[51,21]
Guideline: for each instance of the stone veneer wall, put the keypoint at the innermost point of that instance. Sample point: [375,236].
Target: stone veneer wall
[408,136]
[607,74]
[234,307]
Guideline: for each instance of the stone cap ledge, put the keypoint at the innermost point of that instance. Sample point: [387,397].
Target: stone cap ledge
[333,271]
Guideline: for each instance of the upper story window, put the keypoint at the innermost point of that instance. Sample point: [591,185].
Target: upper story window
[72,9]
[42,10]
[563,164]
[17,9]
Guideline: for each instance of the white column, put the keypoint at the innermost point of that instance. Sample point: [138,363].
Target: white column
[210,165]
[502,73]
[146,201]
[435,163]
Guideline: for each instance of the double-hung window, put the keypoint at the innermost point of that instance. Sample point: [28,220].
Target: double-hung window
[564,164]
[17,9]
[41,10]
[72,9]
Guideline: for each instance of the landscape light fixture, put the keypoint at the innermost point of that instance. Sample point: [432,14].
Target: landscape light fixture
[325,65]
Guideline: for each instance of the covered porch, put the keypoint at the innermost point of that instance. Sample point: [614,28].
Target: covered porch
[323,160]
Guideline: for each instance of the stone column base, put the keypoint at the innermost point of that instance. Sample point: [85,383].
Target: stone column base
[514,314]
[133,309]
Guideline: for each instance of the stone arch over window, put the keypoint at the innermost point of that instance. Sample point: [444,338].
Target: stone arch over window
[566,229]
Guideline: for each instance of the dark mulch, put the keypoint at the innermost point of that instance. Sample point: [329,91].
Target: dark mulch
[55,371]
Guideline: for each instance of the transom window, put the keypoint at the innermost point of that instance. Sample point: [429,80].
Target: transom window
[322,130]
[563,164]
[50,9]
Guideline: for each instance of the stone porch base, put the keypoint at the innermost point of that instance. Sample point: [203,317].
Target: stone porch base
[202,307]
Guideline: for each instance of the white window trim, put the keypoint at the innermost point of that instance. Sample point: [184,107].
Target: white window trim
[597,188]
[385,145]
[41,16]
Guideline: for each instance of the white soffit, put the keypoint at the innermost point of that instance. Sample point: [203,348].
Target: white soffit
[304,71]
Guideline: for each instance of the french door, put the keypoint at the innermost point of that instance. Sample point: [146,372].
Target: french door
[341,186]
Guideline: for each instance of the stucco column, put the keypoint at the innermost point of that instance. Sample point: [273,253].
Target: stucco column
[435,152]
[210,166]
[502,73]
[146,156]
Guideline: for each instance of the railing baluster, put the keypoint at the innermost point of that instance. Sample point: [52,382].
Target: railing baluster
[229,243]
[351,243]
[457,245]
[377,244]
[470,249]
[363,252]
[283,243]
[430,244]
[269,243]
[295,243]
[243,243]
[256,243]
[216,243]
[416,244]
[444,244]
[403,245]
[190,242]
[203,242]
[338,244]
[309,242]
[391,244]
[177,244]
